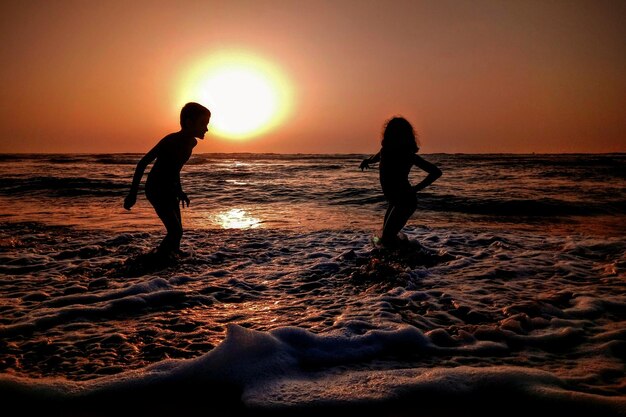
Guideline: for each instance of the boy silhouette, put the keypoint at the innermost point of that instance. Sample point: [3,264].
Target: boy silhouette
[163,188]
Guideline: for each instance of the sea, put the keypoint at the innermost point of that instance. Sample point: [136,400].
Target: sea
[507,297]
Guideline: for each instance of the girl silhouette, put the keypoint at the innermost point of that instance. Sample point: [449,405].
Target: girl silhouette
[397,156]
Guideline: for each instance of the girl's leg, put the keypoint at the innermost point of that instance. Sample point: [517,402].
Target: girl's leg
[396,219]
[387,213]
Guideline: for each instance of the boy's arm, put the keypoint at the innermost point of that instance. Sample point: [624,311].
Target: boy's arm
[432,170]
[141,167]
[371,160]
[182,197]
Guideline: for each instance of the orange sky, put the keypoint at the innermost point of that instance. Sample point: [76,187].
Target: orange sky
[472,76]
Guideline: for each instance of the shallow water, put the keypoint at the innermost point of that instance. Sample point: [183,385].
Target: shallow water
[513,285]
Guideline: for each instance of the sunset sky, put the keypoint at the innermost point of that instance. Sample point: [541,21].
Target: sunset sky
[472,76]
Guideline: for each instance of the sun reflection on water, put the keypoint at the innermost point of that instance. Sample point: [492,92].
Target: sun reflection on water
[237,219]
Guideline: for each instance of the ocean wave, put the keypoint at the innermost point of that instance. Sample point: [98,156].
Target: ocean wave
[540,207]
[292,370]
[281,322]
[61,186]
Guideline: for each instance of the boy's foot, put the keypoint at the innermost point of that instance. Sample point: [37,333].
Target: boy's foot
[182,254]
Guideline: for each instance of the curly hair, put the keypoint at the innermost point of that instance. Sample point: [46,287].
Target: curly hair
[399,135]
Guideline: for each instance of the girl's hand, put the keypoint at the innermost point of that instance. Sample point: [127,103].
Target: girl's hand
[365,164]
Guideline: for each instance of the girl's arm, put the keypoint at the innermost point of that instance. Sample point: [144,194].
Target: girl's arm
[432,170]
[371,160]
[131,198]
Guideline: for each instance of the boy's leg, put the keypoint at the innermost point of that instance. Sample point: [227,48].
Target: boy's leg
[170,216]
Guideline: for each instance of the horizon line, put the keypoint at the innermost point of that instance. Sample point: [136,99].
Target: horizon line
[322,153]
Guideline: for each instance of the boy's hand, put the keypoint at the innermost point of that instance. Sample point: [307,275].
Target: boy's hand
[130,200]
[364,165]
[183,199]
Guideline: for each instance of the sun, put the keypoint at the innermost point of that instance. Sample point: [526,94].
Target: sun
[246,94]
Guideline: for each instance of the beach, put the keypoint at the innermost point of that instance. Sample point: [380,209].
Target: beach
[509,291]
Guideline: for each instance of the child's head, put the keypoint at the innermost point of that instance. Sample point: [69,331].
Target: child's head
[399,135]
[194,118]
[191,112]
